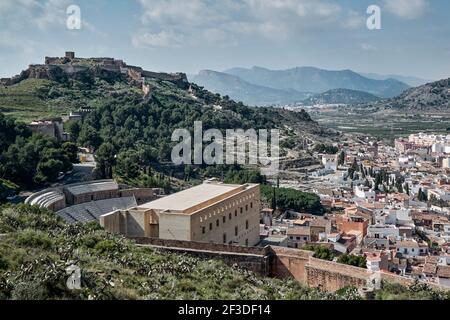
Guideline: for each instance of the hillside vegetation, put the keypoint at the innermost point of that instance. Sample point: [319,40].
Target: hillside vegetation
[341,96]
[434,96]
[36,248]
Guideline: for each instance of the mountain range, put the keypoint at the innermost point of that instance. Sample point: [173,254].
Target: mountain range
[409,80]
[258,84]
[341,96]
[428,97]
[249,93]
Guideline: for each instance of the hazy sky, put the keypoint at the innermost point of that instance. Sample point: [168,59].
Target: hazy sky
[190,35]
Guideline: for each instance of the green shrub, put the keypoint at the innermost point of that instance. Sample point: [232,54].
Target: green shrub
[34,238]
[320,252]
[29,290]
[352,260]
[105,246]
[4,264]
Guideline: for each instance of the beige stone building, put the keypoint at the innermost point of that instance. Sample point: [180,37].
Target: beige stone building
[211,212]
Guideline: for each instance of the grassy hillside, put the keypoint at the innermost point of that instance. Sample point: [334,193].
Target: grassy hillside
[34,99]
[36,248]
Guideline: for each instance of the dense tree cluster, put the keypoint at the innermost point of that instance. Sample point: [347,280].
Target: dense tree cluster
[323,148]
[320,252]
[352,260]
[28,159]
[287,198]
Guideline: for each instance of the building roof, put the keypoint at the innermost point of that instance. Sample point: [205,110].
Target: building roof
[407,244]
[443,272]
[305,231]
[196,198]
[92,187]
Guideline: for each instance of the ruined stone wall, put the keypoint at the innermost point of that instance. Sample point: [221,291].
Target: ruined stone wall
[331,276]
[282,263]
[251,258]
[290,263]
[201,246]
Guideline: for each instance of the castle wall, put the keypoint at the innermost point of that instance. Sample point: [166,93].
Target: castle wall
[331,276]
[290,263]
[253,259]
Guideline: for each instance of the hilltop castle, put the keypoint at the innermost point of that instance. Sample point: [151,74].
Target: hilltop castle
[56,68]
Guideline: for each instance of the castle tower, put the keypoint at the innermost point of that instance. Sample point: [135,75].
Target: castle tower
[70,55]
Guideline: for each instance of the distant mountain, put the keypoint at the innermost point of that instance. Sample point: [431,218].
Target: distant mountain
[310,79]
[431,96]
[411,81]
[240,90]
[341,96]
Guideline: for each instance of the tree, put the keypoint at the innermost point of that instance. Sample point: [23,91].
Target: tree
[70,150]
[320,252]
[48,171]
[105,158]
[74,129]
[57,154]
[352,260]
[341,158]
[127,165]
[378,181]
[287,198]
[421,196]
[89,137]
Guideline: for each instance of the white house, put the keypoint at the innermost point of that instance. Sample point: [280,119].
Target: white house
[411,248]
[330,162]
[380,231]
[364,193]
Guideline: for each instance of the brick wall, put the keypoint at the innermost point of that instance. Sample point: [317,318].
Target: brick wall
[290,263]
[331,276]
[281,263]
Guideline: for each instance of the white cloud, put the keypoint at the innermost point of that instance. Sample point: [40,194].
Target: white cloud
[406,9]
[368,47]
[228,21]
[43,15]
[166,39]
[353,20]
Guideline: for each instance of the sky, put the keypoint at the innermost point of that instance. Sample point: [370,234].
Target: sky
[192,35]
